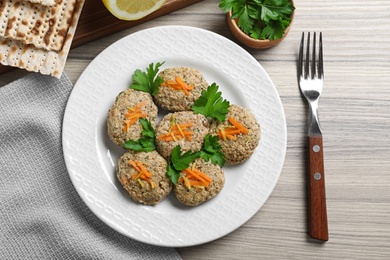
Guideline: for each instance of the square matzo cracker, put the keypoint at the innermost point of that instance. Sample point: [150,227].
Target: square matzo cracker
[21,47]
[43,2]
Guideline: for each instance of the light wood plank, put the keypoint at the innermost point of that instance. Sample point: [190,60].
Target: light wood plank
[355,119]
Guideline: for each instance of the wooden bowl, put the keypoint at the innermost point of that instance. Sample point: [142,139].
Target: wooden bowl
[254,43]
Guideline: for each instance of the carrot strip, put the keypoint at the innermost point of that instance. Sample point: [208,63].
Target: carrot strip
[183,84]
[133,114]
[185,91]
[139,105]
[132,121]
[196,183]
[177,84]
[238,125]
[177,131]
[135,166]
[170,82]
[167,138]
[231,137]
[185,133]
[191,183]
[205,176]
[136,175]
[126,127]
[222,134]
[196,176]
[232,132]
[142,173]
[143,169]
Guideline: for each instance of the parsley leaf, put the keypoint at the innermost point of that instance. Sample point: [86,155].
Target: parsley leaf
[256,32]
[146,142]
[227,5]
[182,161]
[246,22]
[211,104]
[147,128]
[260,19]
[147,81]
[173,174]
[211,150]
[268,11]
[179,162]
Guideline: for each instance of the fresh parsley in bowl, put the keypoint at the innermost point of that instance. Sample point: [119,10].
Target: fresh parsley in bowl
[259,23]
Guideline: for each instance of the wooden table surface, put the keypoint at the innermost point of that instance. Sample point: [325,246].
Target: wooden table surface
[355,120]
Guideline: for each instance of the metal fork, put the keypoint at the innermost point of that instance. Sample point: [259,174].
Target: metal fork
[310,81]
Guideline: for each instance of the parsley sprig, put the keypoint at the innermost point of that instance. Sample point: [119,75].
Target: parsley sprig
[147,81]
[147,141]
[211,150]
[260,19]
[179,162]
[211,104]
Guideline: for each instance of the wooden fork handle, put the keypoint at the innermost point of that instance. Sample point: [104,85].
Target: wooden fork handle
[318,220]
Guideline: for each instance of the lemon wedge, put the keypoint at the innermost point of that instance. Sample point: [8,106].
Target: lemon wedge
[132,9]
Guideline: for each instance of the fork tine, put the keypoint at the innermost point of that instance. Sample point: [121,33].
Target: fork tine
[307,56]
[300,57]
[320,61]
[313,57]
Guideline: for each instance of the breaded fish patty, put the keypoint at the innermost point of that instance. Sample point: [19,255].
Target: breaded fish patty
[121,113]
[177,100]
[152,190]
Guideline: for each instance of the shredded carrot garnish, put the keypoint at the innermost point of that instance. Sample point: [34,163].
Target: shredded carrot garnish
[238,125]
[142,173]
[178,84]
[230,132]
[195,178]
[177,131]
[133,114]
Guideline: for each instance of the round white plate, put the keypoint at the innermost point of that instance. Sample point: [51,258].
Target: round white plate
[91,157]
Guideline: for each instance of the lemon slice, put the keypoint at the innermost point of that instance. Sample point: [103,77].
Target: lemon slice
[132,9]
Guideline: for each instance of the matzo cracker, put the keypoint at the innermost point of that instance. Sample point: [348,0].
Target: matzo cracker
[17,53]
[43,2]
[43,26]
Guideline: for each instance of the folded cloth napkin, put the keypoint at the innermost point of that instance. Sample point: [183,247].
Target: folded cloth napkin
[41,214]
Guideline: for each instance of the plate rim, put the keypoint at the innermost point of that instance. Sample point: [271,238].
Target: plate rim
[131,36]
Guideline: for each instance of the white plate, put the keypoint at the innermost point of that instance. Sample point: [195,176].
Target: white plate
[91,157]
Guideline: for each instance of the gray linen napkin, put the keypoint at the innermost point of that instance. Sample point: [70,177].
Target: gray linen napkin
[41,214]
